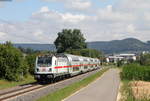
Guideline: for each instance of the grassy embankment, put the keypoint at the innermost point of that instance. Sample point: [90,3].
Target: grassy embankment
[130,74]
[65,92]
[7,84]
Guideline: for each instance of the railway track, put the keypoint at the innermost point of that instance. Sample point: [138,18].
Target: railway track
[13,93]
[18,92]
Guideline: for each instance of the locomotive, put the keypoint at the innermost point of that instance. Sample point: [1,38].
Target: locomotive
[53,66]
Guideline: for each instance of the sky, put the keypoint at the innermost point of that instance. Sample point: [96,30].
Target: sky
[39,21]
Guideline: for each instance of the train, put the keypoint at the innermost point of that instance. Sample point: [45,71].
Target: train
[50,67]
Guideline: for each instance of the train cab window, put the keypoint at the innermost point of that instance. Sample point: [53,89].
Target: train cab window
[44,61]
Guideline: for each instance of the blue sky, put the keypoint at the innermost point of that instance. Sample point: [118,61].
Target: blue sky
[23,9]
[39,21]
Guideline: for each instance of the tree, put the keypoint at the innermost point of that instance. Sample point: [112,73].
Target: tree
[26,50]
[13,66]
[69,39]
[145,59]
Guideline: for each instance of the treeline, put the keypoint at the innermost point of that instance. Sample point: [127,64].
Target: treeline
[14,65]
[28,50]
[85,52]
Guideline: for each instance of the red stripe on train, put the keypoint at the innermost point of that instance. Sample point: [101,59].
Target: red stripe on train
[73,66]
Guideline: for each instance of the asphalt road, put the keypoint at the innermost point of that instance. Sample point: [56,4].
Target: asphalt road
[104,88]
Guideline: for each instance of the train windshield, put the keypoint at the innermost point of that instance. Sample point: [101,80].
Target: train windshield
[44,61]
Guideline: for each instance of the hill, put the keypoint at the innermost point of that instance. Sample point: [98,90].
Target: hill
[108,47]
[36,46]
[119,46]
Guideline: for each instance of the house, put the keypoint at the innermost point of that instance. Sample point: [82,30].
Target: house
[118,57]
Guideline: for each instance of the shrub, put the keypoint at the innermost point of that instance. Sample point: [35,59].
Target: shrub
[31,62]
[135,72]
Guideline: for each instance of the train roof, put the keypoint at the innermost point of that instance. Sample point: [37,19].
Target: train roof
[70,57]
[80,58]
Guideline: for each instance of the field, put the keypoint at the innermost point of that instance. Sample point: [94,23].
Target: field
[135,83]
[140,89]
[136,72]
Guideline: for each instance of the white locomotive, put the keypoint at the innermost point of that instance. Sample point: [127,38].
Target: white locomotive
[50,67]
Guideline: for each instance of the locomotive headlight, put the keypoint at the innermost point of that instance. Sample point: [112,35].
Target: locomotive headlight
[50,69]
[37,69]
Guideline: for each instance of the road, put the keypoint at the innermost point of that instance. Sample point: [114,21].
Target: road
[104,88]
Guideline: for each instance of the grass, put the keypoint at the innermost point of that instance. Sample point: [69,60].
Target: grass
[7,84]
[126,94]
[65,92]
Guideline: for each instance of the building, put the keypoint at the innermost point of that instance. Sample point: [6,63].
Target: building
[118,57]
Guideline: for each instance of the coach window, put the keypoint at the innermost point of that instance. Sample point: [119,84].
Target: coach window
[55,62]
[85,67]
[93,66]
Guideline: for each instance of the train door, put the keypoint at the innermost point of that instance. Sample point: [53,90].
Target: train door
[68,66]
[56,64]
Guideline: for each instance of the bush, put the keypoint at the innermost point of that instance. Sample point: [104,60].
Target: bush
[145,59]
[120,63]
[135,72]
[13,66]
[31,62]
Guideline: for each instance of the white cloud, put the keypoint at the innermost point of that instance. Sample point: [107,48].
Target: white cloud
[131,28]
[2,34]
[147,16]
[44,9]
[134,5]
[78,4]
[109,14]
[72,18]
[109,8]
[38,33]
[65,17]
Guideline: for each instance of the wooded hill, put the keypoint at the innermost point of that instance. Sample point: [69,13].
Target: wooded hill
[119,46]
